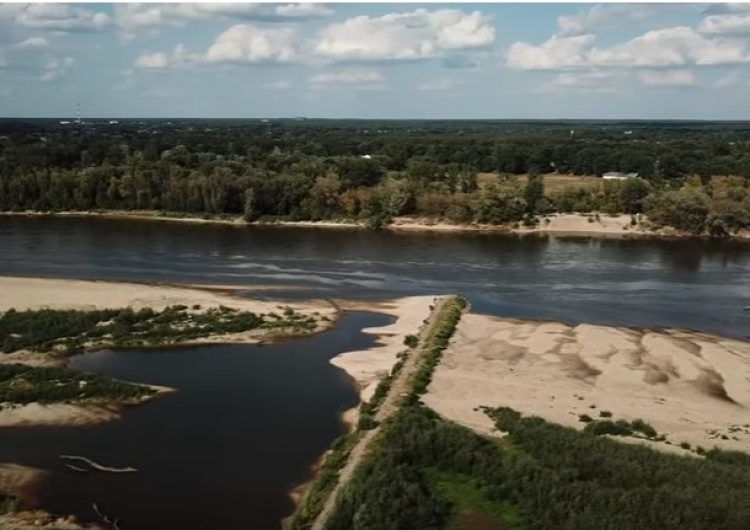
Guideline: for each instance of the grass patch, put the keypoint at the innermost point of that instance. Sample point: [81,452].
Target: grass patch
[466,496]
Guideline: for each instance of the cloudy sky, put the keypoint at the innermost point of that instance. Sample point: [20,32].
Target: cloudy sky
[661,61]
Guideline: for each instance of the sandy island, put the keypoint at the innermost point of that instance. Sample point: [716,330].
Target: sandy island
[38,293]
[692,387]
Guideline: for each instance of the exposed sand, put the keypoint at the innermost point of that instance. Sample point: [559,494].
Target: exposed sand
[367,367]
[559,224]
[36,293]
[691,387]
[57,414]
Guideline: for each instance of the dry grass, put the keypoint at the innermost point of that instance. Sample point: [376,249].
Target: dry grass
[553,182]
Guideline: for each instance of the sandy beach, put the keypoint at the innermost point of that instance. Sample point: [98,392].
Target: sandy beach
[367,367]
[36,293]
[690,386]
[566,224]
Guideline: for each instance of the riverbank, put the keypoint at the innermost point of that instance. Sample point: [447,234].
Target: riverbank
[560,225]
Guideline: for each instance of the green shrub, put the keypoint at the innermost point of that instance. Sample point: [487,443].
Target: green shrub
[411,341]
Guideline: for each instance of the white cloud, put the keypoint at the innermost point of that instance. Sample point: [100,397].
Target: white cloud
[54,17]
[33,43]
[250,44]
[178,58]
[556,53]
[240,44]
[134,18]
[668,78]
[348,77]
[602,17]
[56,68]
[672,47]
[279,85]
[439,85]
[421,34]
[303,11]
[668,47]
[725,25]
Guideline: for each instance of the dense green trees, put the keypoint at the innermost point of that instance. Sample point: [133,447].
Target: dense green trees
[541,476]
[373,170]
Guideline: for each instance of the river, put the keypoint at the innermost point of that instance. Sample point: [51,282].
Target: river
[247,422]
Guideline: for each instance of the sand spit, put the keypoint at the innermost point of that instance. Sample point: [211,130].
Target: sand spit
[37,293]
[367,367]
[690,386]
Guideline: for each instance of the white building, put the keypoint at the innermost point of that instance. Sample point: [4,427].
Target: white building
[616,175]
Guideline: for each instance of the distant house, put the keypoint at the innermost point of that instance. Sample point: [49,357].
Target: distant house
[616,175]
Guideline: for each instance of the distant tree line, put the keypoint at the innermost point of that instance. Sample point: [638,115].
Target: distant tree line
[374,171]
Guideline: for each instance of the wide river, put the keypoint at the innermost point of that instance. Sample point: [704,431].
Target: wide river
[247,422]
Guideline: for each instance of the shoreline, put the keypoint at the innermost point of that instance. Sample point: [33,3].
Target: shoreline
[558,225]
[366,368]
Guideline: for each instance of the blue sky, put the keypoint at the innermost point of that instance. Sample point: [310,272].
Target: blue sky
[500,61]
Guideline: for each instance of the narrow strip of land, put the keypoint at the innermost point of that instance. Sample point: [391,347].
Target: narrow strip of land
[399,387]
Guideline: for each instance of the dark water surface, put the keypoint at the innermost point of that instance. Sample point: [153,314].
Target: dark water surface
[245,425]
[247,421]
[686,283]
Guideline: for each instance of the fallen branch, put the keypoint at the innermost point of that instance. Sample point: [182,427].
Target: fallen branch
[98,466]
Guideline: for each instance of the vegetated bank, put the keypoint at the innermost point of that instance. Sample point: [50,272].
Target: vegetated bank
[391,392]
[428,472]
[692,178]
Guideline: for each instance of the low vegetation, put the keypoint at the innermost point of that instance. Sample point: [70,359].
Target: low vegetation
[21,384]
[638,427]
[70,331]
[431,473]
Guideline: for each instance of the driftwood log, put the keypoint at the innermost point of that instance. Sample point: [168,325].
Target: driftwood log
[96,465]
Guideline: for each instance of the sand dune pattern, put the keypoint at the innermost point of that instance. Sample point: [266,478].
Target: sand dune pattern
[690,386]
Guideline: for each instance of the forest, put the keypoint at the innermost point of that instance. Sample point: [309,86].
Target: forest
[692,177]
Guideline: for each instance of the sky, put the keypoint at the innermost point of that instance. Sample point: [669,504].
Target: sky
[420,61]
